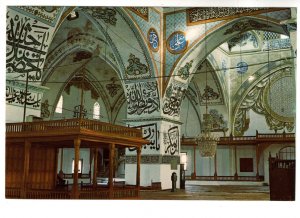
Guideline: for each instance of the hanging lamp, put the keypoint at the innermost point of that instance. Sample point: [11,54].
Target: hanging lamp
[207,141]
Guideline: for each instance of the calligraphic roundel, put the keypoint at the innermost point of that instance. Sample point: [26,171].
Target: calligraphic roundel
[153,39]
[177,42]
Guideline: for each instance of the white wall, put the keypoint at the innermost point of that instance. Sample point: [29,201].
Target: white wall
[15,113]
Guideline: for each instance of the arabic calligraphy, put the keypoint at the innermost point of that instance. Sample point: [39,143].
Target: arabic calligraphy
[108,15]
[153,39]
[171,140]
[19,96]
[177,42]
[142,98]
[26,46]
[198,15]
[112,87]
[149,133]
[174,96]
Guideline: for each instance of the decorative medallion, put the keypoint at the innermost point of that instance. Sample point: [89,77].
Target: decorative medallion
[177,42]
[153,39]
[241,67]
[136,69]
[184,72]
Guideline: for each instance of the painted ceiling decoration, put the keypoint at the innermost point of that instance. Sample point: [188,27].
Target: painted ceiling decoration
[46,14]
[242,39]
[79,83]
[245,25]
[184,72]
[108,15]
[201,15]
[209,94]
[218,123]
[112,87]
[143,12]
[136,69]
[82,55]
[177,43]
[153,39]
[272,97]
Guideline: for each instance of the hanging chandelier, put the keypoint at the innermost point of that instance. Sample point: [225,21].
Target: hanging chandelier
[206,141]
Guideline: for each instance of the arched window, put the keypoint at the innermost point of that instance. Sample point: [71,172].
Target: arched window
[59,105]
[96,112]
[287,153]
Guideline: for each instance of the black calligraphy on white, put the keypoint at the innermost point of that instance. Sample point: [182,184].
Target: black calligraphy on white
[142,98]
[171,140]
[16,96]
[26,46]
[150,133]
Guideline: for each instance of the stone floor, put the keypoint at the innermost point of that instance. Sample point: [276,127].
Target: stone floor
[209,192]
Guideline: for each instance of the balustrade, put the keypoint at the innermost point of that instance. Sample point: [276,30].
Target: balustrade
[72,124]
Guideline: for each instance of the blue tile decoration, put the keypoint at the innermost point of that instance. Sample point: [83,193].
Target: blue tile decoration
[242,67]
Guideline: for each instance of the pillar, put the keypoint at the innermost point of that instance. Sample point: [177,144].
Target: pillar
[257,162]
[138,167]
[75,178]
[27,147]
[61,161]
[194,174]
[235,163]
[95,167]
[111,169]
[215,163]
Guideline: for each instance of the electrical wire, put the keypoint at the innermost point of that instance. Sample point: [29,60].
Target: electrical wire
[164,76]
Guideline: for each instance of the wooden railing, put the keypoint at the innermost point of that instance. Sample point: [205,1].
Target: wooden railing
[12,192]
[72,124]
[47,194]
[125,193]
[94,194]
[226,178]
[246,140]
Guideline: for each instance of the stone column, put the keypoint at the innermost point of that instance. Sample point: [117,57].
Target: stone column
[95,154]
[235,163]
[215,163]
[76,160]
[138,168]
[111,169]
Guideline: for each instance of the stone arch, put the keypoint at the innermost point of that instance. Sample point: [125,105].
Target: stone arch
[239,110]
[194,56]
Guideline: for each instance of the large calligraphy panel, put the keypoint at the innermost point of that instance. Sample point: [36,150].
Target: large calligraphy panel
[174,95]
[27,42]
[150,133]
[142,98]
[171,140]
[18,96]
